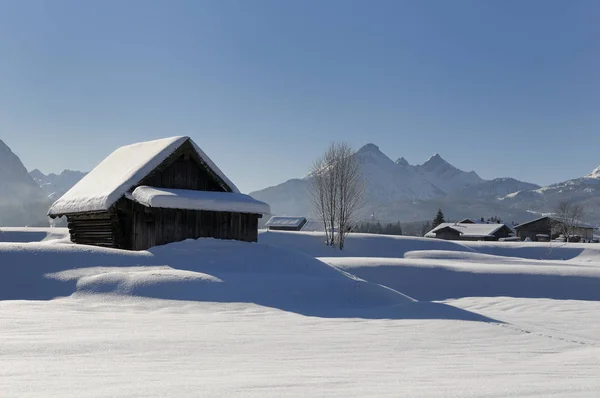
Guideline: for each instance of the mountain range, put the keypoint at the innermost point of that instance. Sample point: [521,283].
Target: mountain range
[399,191]
[395,191]
[56,185]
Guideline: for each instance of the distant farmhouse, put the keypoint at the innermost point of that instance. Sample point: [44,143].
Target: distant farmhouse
[470,231]
[157,192]
[540,229]
[278,223]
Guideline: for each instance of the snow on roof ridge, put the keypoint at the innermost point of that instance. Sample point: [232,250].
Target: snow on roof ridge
[119,172]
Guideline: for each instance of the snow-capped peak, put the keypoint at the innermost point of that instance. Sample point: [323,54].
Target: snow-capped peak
[445,176]
[595,173]
[402,162]
[436,163]
[369,148]
[36,174]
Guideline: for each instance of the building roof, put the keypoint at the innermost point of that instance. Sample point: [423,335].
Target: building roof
[472,221]
[278,221]
[120,172]
[468,229]
[579,224]
[198,200]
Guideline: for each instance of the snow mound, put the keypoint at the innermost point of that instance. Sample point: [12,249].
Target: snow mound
[205,270]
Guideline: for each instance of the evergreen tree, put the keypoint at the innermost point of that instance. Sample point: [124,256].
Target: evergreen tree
[439,218]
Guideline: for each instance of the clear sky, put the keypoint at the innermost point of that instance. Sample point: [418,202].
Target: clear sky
[507,88]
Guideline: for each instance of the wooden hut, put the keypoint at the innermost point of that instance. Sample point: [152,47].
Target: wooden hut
[278,223]
[541,229]
[157,192]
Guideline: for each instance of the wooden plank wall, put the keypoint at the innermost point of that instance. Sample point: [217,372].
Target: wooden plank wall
[153,226]
[99,229]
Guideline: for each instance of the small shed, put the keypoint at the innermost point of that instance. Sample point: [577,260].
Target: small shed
[540,229]
[278,223]
[470,231]
[154,193]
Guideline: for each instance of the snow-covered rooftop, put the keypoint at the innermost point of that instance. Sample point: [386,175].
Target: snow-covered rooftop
[120,172]
[577,223]
[468,230]
[198,200]
[278,221]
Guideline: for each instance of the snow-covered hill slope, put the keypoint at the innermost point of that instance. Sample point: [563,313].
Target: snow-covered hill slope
[22,202]
[55,185]
[595,173]
[493,189]
[584,191]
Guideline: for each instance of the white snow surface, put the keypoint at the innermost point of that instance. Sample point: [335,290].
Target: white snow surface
[198,200]
[121,171]
[291,317]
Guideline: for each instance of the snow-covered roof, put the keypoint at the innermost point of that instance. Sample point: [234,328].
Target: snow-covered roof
[468,230]
[578,224]
[198,200]
[278,221]
[120,172]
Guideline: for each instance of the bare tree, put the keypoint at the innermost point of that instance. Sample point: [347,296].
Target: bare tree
[350,189]
[336,191]
[318,194]
[567,219]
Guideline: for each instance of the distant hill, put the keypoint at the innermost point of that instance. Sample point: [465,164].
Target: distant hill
[56,185]
[22,201]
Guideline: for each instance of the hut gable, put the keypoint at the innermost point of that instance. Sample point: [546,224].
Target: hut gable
[186,169]
[130,165]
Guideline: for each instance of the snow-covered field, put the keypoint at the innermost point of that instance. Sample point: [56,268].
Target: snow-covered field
[389,316]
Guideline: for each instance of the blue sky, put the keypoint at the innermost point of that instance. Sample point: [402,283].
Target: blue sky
[508,88]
